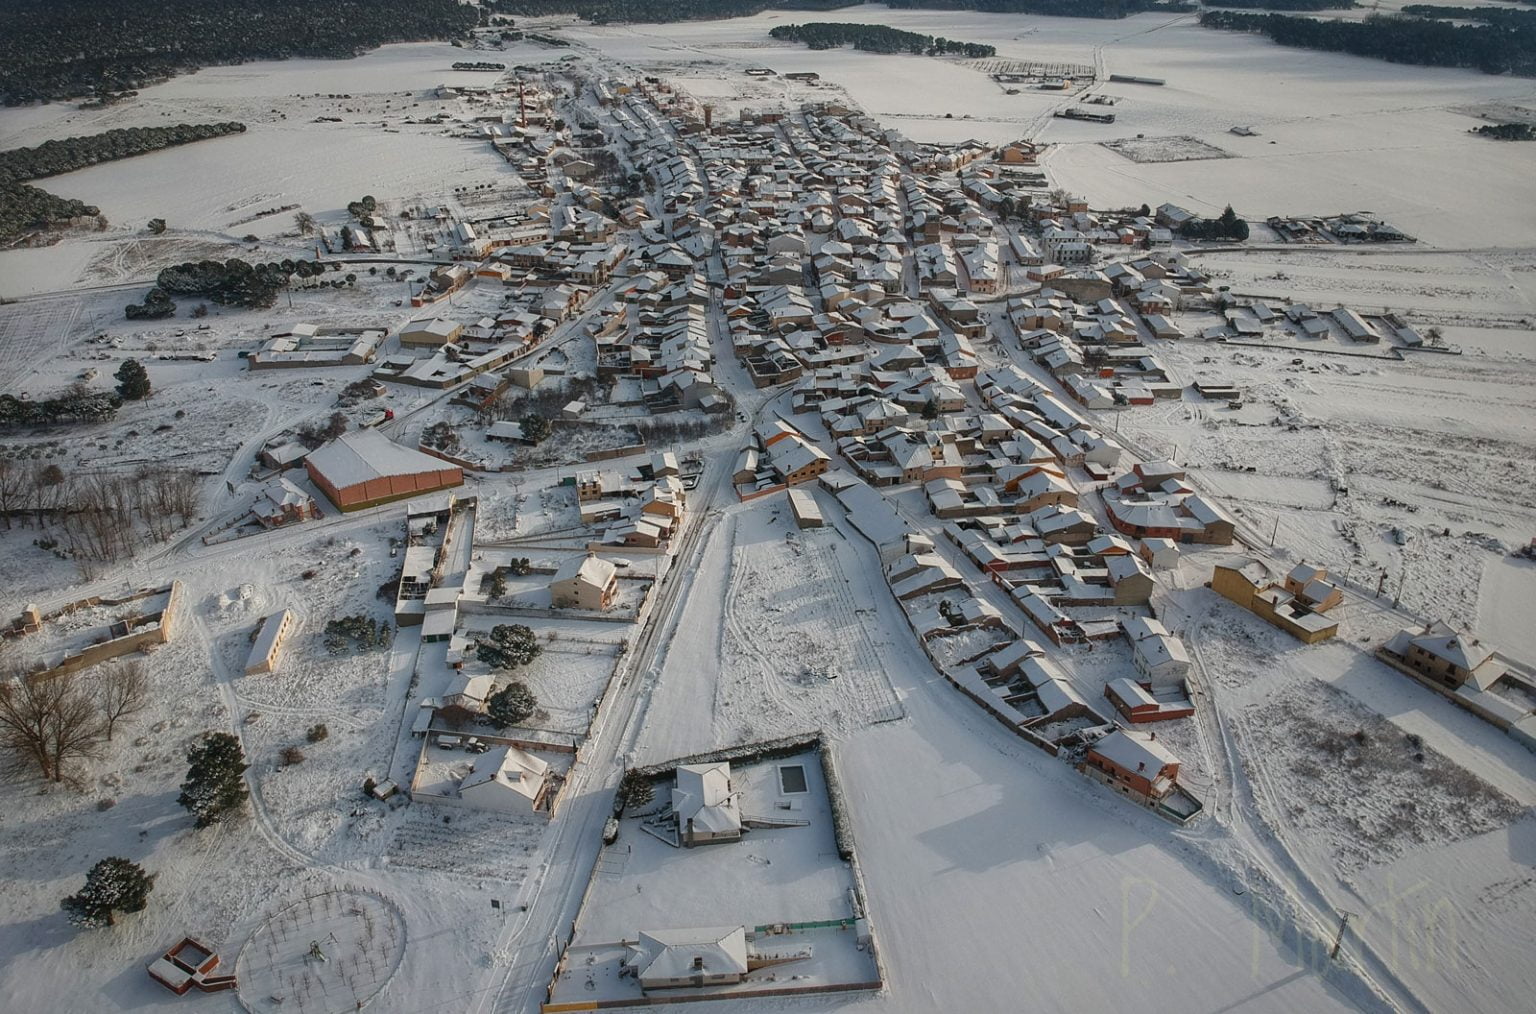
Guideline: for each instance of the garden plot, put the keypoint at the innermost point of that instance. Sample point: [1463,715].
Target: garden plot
[326,953]
[570,673]
[1180,148]
[467,844]
[1355,784]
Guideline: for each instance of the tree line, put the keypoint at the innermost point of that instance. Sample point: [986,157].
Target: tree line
[1285,5]
[606,11]
[72,405]
[230,283]
[59,49]
[25,209]
[1507,131]
[1498,46]
[877,39]
[1226,226]
[98,516]
[1053,8]
[52,158]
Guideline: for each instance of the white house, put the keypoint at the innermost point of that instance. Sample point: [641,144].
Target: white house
[1159,656]
[507,780]
[705,805]
[668,959]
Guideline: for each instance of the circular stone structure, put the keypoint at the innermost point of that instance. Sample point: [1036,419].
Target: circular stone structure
[324,954]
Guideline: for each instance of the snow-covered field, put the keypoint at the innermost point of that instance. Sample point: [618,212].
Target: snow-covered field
[998,878]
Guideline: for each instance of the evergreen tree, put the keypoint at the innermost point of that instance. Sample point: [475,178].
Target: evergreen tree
[215,785]
[511,705]
[132,380]
[635,790]
[113,885]
[157,305]
[535,428]
[498,584]
[508,646]
[930,409]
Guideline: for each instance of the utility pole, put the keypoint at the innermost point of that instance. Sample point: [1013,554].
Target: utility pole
[1274,532]
[1338,940]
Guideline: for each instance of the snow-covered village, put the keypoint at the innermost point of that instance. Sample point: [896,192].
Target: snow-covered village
[543,507]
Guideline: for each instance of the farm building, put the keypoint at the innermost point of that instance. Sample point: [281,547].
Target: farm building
[365,468]
[433,333]
[803,506]
[269,642]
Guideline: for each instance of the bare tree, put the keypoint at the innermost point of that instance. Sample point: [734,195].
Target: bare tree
[46,725]
[121,691]
[45,490]
[13,487]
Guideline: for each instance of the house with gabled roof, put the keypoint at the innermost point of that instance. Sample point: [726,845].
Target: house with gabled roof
[705,805]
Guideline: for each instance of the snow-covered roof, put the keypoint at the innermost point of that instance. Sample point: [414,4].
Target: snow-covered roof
[703,796]
[677,954]
[589,569]
[1134,752]
[510,768]
[1455,649]
[364,455]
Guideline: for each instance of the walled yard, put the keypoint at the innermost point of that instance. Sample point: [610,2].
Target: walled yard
[783,875]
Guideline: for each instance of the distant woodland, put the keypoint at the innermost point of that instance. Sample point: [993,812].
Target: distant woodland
[59,49]
[877,39]
[1284,5]
[1503,41]
[25,209]
[1507,131]
[601,11]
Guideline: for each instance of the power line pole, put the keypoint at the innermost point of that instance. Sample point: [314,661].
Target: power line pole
[1338,940]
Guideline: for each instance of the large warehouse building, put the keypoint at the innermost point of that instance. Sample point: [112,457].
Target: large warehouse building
[365,468]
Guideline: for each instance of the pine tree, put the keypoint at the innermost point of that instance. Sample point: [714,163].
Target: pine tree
[511,705]
[132,380]
[535,428]
[215,785]
[113,885]
[508,646]
[635,790]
